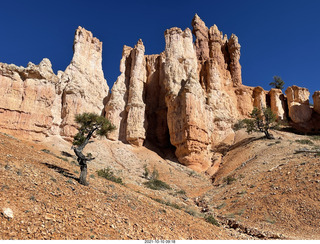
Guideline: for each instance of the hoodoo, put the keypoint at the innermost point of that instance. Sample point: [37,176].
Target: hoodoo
[188,97]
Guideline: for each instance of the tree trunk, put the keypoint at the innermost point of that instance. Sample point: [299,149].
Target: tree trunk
[83,174]
[82,160]
[268,135]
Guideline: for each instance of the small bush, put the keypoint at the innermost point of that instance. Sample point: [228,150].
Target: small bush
[182,192]
[210,219]
[46,151]
[221,205]
[229,180]
[174,205]
[109,175]
[315,137]
[146,172]
[191,212]
[305,141]
[62,158]
[156,184]
[32,198]
[155,174]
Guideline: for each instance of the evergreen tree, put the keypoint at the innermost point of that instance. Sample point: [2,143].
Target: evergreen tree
[261,120]
[277,83]
[89,123]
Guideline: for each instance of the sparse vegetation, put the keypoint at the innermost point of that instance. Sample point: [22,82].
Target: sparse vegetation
[146,172]
[53,179]
[304,141]
[32,198]
[270,220]
[174,205]
[90,123]
[271,144]
[260,121]
[46,151]
[210,219]
[221,205]
[156,184]
[62,158]
[277,83]
[229,180]
[241,211]
[181,192]
[108,174]
[315,137]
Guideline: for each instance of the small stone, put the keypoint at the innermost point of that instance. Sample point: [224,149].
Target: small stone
[48,216]
[8,213]
[79,212]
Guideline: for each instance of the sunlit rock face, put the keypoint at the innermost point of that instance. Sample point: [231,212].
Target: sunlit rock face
[28,100]
[298,104]
[37,104]
[278,103]
[84,87]
[316,101]
[188,97]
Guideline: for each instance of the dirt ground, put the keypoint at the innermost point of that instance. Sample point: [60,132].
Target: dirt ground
[263,190]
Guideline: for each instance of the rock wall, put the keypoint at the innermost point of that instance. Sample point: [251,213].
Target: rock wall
[36,103]
[298,104]
[84,85]
[188,97]
[28,99]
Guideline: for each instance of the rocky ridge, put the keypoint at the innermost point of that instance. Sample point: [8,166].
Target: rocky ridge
[36,103]
[186,98]
[192,94]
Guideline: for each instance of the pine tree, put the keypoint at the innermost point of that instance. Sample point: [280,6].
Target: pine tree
[261,120]
[277,83]
[90,123]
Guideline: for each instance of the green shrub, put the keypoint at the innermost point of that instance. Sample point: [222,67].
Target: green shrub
[146,172]
[210,219]
[305,141]
[315,137]
[221,205]
[46,151]
[174,205]
[229,180]
[156,184]
[62,158]
[182,192]
[191,212]
[109,175]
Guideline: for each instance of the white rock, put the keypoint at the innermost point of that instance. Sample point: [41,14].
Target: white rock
[8,213]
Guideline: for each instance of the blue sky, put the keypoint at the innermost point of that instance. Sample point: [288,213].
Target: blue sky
[277,37]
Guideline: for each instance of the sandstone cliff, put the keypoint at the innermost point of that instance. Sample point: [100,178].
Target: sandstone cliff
[190,95]
[186,98]
[36,103]
[84,86]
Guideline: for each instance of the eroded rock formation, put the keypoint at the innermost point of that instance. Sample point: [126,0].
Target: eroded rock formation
[84,86]
[278,103]
[27,100]
[188,97]
[36,103]
[316,101]
[298,104]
